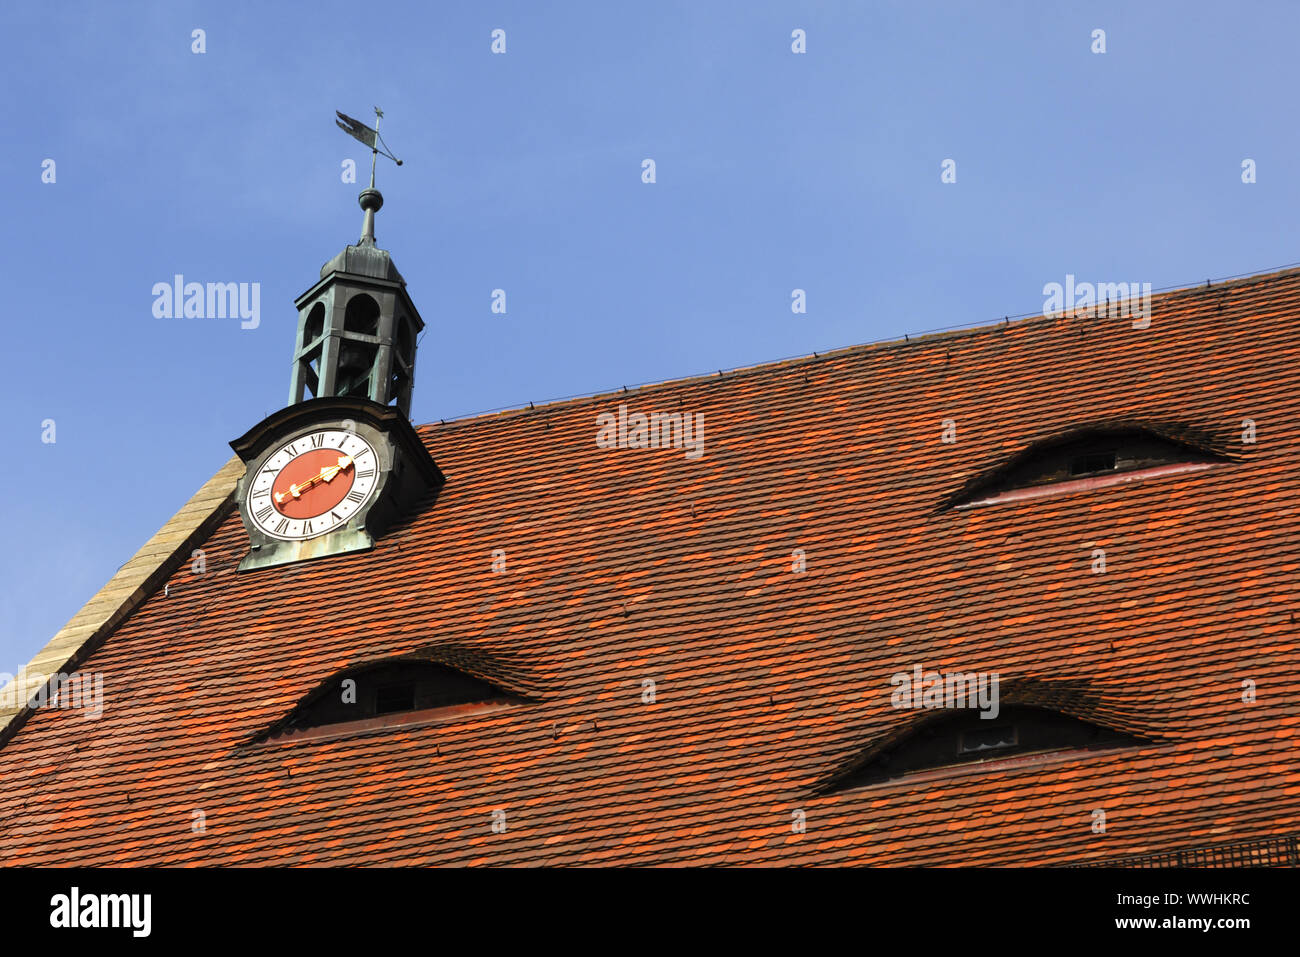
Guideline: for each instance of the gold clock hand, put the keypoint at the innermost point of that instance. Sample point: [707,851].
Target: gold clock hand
[326,474]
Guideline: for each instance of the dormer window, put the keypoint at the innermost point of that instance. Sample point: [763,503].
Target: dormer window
[980,739]
[402,691]
[1083,460]
[394,697]
[1096,463]
[962,741]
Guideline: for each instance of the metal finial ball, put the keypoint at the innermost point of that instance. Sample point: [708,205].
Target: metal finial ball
[370,199]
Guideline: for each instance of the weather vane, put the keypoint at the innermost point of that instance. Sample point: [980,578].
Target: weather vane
[365,134]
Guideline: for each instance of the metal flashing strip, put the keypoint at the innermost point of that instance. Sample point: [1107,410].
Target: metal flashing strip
[1087,484]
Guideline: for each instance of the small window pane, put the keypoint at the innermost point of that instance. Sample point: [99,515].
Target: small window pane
[981,739]
[1088,464]
[395,697]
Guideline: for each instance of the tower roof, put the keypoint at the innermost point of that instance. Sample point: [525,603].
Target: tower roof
[365,258]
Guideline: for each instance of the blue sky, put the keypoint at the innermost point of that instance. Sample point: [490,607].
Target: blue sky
[522,171]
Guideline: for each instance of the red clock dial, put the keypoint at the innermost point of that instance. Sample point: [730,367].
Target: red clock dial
[313,483]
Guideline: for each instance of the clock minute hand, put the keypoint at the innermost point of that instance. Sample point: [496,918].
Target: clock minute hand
[327,474]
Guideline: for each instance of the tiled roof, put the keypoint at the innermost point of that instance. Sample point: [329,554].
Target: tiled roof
[631,565]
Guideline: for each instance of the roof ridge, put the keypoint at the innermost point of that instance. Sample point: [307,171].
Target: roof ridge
[928,335]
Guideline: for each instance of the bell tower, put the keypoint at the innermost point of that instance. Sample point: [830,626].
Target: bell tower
[331,472]
[357,327]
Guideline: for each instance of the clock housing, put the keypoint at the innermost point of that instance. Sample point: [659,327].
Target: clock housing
[327,477]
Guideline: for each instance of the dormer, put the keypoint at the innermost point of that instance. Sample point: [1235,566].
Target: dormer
[1087,458]
[965,741]
[390,693]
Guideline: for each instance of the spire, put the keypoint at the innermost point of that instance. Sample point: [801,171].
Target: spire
[371,199]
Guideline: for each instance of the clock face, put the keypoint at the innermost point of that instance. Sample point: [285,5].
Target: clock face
[312,484]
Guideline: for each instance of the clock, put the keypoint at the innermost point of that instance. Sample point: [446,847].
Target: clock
[329,476]
[313,484]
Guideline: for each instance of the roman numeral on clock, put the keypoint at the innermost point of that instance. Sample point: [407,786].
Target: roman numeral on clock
[318,440]
[264,514]
[365,473]
[355,496]
[306,526]
[280,529]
